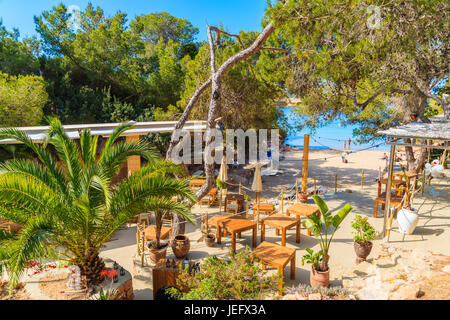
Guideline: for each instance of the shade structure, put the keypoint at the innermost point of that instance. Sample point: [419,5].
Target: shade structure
[257,182]
[257,187]
[223,172]
[223,177]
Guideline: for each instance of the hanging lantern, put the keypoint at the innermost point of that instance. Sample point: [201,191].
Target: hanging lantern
[122,271]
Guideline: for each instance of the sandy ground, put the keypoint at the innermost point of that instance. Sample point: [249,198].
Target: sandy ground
[432,232]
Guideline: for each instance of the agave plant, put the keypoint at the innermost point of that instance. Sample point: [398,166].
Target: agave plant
[66,203]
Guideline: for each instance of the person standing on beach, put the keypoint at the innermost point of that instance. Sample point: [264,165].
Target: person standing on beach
[349,141]
[345,143]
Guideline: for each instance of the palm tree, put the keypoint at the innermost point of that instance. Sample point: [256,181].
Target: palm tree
[66,203]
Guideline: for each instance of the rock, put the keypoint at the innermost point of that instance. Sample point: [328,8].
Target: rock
[290,297]
[348,191]
[406,292]
[299,296]
[446,268]
[315,296]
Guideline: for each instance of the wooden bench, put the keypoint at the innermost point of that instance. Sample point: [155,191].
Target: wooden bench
[276,256]
[265,208]
[281,222]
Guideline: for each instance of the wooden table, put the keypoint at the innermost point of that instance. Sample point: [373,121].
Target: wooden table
[150,233]
[266,208]
[164,276]
[395,183]
[281,222]
[213,222]
[303,210]
[235,225]
[410,175]
[276,256]
[237,198]
[196,182]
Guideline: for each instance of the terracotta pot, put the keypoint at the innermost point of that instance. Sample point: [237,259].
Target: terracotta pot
[319,278]
[362,250]
[210,239]
[181,246]
[157,254]
[303,197]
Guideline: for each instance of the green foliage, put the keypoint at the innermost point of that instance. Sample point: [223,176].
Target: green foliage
[326,220]
[248,93]
[220,184]
[66,203]
[345,65]
[22,99]
[111,70]
[107,295]
[238,278]
[314,258]
[364,231]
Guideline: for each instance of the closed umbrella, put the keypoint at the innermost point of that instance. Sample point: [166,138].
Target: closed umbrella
[223,177]
[257,187]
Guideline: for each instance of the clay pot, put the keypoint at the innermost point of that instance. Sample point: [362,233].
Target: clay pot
[210,238]
[362,250]
[181,246]
[303,197]
[157,254]
[319,278]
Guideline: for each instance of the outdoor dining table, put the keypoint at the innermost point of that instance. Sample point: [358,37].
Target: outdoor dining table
[281,222]
[196,182]
[397,183]
[303,210]
[235,225]
[150,233]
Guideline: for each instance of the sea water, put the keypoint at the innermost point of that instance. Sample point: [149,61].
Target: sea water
[331,136]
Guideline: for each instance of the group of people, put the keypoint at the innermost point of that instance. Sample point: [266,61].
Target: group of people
[349,143]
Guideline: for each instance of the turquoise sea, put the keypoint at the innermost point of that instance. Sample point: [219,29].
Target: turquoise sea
[331,136]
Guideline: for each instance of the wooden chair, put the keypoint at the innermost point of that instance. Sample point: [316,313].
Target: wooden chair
[140,239]
[146,217]
[396,200]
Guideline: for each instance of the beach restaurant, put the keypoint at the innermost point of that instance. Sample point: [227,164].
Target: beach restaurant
[433,135]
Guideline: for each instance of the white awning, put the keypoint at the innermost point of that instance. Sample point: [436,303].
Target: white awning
[38,133]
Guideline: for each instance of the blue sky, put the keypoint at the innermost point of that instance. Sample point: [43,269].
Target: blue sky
[235,15]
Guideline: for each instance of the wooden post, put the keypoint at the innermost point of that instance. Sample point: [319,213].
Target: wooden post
[296,190]
[143,249]
[315,189]
[282,200]
[362,179]
[257,204]
[388,190]
[240,188]
[423,181]
[305,163]
[379,173]
[335,183]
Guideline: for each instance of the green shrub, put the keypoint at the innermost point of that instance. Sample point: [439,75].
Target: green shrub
[364,231]
[239,278]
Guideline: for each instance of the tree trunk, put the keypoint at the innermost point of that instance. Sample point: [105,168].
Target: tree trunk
[91,268]
[414,103]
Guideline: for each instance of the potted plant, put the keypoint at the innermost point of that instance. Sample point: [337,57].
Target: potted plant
[319,268]
[316,278]
[160,206]
[362,236]
[407,216]
[209,238]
